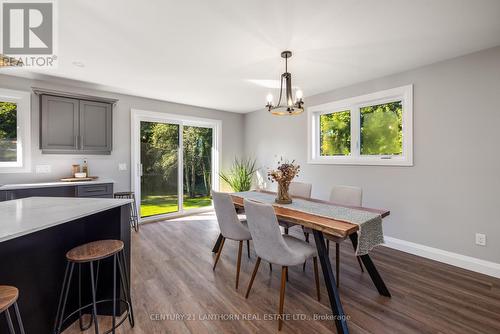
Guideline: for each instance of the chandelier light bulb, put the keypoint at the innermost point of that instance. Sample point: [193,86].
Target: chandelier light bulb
[299,95]
[269,98]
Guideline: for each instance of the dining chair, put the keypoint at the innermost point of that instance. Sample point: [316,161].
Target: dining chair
[342,195]
[274,247]
[230,227]
[349,196]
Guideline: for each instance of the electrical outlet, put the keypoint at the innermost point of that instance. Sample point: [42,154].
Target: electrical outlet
[42,169]
[122,166]
[480,239]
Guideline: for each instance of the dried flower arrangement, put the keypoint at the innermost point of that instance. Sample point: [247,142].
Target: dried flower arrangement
[283,175]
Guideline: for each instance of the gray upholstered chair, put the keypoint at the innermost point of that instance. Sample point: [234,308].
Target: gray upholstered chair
[230,226]
[342,195]
[349,196]
[297,189]
[270,245]
[300,189]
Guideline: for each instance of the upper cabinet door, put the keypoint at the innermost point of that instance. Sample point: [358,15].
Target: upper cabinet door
[59,121]
[96,127]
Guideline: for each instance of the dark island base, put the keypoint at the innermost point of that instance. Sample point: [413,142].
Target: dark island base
[35,264]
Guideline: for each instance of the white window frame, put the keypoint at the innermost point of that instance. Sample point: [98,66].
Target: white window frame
[22,100]
[138,116]
[354,104]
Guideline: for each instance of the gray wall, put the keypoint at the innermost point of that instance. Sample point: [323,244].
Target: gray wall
[452,191]
[107,166]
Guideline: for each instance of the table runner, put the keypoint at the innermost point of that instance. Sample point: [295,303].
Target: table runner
[370,232]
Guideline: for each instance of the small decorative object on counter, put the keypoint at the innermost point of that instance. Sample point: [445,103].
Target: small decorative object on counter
[284,174]
[75,169]
[85,168]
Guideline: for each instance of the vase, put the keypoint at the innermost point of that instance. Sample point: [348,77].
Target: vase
[283,197]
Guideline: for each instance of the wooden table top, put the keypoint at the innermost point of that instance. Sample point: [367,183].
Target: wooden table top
[338,228]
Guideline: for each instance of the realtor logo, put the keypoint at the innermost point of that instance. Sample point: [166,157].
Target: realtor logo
[27,28]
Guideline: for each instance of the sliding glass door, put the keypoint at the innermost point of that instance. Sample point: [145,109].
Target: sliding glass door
[197,163]
[176,163]
[160,168]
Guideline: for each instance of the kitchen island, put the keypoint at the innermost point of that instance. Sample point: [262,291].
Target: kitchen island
[36,233]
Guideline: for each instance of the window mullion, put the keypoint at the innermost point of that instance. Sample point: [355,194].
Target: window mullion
[355,131]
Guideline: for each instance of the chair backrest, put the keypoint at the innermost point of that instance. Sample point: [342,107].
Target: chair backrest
[347,195]
[266,235]
[300,189]
[229,224]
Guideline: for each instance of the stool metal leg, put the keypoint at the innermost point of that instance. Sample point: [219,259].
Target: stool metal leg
[94,305]
[19,319]
[9,322]
[64,296]
[128,288]
[56,321]
[80,320]
[134,215]
[125,286]
[114,294]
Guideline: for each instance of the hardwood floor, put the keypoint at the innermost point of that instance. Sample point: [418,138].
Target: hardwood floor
[172,277]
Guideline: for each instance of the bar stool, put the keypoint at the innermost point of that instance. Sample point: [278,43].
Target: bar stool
[89,253]
[8,298]
[134,218]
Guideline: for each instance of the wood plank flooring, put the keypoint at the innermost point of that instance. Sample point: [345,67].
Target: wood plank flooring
[175,290]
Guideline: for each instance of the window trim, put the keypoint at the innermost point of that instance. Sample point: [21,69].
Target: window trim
[354,104]
[23,101]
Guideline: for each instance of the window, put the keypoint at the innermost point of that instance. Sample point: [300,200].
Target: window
[373,129]
[14,131]
[335,135]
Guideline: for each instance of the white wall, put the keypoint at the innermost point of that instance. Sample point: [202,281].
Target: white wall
[452,191]
[107,165]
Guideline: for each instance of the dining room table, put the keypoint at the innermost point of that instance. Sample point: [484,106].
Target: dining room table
[361,225]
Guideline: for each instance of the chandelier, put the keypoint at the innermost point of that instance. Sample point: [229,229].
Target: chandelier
[290,106]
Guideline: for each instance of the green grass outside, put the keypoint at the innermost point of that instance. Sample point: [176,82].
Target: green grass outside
[157,205]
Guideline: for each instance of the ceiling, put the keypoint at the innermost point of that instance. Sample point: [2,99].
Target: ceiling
[225,54]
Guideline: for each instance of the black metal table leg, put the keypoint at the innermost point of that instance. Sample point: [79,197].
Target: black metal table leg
[370,267]
[331,286]
[217,244]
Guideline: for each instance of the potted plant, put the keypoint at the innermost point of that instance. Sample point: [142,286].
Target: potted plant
[240,175]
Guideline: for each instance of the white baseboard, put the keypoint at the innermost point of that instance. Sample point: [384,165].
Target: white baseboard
[454,259]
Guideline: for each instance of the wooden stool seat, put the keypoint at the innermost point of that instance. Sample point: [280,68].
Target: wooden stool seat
[8,296]
[94,251]
[123,193]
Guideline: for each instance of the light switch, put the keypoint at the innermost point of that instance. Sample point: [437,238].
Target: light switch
[122,166]
[41,169]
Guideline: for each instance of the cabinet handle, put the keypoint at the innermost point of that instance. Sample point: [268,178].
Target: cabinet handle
[76,142]
[80,142]
[95,190]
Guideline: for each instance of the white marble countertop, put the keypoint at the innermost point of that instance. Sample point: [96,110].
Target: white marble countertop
[24,216]
[52,184]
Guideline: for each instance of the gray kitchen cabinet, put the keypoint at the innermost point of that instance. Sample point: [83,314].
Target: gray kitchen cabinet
[59,123]
[75,124]
[96,127]
[103,190]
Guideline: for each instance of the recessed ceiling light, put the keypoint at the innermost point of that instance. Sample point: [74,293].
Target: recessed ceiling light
[78,64]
